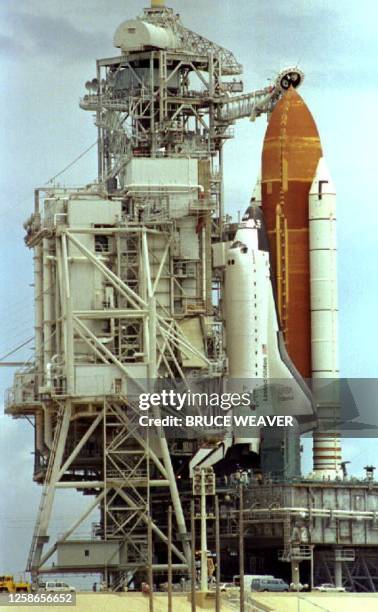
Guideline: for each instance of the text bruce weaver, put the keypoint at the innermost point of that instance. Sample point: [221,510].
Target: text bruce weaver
[218,421]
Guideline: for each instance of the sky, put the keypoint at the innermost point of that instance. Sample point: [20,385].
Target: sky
[48,51]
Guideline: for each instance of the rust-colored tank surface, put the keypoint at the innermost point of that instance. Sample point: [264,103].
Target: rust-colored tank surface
[290,156]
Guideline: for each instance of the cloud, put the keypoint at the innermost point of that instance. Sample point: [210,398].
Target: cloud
[56,37]
[334,44]
[10,48]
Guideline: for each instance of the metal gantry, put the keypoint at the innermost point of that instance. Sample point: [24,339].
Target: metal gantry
[124,293]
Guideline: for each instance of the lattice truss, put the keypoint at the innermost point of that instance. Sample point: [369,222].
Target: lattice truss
[123,493]
[123,487]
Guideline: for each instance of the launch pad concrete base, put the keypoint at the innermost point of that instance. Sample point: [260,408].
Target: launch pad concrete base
[272,602]
[311,602]
[204,599]
[126,602]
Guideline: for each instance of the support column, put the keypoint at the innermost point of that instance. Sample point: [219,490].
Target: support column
[338,574]
[38,312]
[164,449]
[241,549]
[47,294]
[62,255]
[40,536]
[295,574]
[204,576]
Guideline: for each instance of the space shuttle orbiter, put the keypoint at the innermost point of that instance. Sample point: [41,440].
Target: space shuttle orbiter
[258,361]
[257,357]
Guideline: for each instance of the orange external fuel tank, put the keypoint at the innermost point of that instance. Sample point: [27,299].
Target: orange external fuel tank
[290,156]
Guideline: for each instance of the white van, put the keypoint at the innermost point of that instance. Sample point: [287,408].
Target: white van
[57,587]
[248,579]
[270,584]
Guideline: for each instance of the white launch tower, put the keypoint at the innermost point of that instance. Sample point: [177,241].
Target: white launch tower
[124,286]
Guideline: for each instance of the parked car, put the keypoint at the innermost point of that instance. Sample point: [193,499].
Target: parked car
[56,587]
[226,586]
[269,584]
[327,587]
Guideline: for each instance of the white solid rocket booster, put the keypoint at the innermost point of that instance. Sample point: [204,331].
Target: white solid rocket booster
[324,315]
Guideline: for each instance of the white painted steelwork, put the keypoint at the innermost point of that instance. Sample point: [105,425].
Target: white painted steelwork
[124,279]
[136,34]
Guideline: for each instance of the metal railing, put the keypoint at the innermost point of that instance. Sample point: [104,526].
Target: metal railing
[198,205]
[295,553]
[345,554]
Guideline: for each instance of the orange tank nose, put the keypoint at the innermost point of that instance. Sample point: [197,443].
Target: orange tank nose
[290,156]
